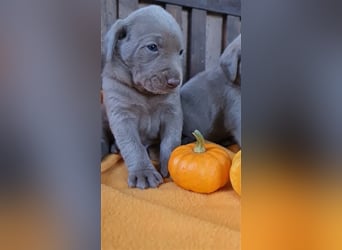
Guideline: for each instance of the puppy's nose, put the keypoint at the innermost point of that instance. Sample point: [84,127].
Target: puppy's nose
[172,82]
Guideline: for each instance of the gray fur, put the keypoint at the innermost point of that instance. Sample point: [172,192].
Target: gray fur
[141,90]
[211,100]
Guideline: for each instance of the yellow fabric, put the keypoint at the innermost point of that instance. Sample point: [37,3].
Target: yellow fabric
[165,218]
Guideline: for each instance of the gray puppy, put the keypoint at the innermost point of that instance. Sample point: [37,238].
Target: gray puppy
[211,100]
[141,88]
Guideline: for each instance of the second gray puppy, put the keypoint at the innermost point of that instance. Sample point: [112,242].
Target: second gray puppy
[141,84]
[211,100]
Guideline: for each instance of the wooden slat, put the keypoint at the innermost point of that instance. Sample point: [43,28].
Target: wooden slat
[176,12]
[185,28]
[103,21]
[213,41]
[224,32]
[108,16]
[231,7]
[108,13]
[197,43]
[141,5]
[234,28]
[126,7]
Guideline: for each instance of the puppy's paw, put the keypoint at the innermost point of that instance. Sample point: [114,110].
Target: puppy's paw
[164,170]
[144,178]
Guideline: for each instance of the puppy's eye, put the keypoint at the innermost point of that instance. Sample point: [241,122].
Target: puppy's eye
[153,47]
[181,52]
[122,34]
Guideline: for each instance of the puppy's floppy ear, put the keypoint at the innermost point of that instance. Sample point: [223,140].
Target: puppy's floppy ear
[230,59]
[116,32]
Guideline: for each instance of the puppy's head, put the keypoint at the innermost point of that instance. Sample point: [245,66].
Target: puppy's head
[230,60]
[145,50]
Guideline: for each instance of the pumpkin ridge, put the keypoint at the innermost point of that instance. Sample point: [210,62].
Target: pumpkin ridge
[222,150]
[235,173]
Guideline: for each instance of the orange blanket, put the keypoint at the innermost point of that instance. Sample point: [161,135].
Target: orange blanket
[165,218]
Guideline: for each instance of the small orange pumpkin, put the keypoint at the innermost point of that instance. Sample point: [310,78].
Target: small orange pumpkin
[201,167]
[235,173]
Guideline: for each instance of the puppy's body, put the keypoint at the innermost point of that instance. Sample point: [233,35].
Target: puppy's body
[212,106]
[149,113]
[211,100]
[140,81]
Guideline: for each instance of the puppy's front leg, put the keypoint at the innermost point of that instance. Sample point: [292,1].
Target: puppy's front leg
[141,173]
[171,134]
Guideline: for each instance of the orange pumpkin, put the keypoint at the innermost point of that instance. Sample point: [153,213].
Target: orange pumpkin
[235,173]
[201,167]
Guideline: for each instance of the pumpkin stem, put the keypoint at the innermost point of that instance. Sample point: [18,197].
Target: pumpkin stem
[199,145]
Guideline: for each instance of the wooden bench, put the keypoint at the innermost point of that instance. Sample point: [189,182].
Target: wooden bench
[208,26]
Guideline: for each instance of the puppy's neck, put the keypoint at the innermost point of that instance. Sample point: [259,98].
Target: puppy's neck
[118,71]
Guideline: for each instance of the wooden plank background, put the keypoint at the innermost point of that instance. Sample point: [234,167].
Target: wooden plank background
[208,26]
